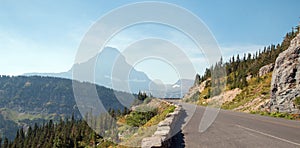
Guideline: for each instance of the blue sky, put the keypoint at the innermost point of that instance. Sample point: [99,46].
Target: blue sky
[43,36]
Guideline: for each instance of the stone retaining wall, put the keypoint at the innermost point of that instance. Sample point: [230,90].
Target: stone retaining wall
[162,136]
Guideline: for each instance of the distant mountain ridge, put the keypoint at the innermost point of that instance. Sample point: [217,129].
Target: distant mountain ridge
[138,81]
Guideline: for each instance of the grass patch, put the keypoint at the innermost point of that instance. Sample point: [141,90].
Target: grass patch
[257,87]
[140,117]
[297,102]
[161,116]
[135,140]
[205,94]
[16,116]
[276,114]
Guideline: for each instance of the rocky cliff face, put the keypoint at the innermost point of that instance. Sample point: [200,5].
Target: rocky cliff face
[285,85]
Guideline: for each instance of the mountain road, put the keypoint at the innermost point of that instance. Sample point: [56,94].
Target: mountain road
[236,129]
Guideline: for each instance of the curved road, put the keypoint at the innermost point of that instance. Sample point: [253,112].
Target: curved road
[235,129]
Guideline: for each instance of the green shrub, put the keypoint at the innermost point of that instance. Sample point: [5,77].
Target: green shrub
[252,112]
[297,102]
[171,109]
[139,118]
[161,116]
[274,114]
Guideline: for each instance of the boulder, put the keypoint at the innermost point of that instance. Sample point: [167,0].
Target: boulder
[248,77]
[285,85]
[266,69]
[151,142]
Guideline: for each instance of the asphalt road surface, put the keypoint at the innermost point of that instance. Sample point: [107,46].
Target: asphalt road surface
[233,129]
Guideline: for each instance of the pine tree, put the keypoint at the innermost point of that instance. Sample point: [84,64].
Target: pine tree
[197,80]
[142,96]
[119,113]
[125,111]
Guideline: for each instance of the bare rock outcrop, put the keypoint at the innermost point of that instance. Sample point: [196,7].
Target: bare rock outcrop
[195,89]
[266,69]
[285,85]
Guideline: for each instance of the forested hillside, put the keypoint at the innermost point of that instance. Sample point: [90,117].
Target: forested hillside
[247,78]
[240,66]
[118,128]
[66,133]
[28,100]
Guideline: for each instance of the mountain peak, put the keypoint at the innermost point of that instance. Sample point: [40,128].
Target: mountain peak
[109,49]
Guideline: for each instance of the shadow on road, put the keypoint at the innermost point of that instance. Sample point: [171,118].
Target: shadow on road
[177,141]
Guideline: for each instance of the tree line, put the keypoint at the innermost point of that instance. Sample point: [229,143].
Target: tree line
[68,133]
[238,68]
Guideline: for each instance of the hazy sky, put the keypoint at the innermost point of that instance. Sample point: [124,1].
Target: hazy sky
[43,36]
